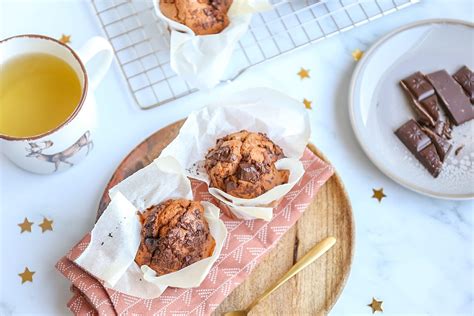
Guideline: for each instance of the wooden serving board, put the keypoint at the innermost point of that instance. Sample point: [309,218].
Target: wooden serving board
[314,290]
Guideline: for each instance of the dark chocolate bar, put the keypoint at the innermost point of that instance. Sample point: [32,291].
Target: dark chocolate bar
[418,86]
[430,160]
[413,137]
[457,104]
[443,147]
[465,78]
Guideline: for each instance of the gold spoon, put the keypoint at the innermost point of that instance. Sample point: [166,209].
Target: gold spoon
[317,251]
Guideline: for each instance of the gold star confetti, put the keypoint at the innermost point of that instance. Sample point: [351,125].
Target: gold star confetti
[376,306]
[46,225]
[26,276]
[25,226]
[65,39]
[378,194]
[307,104]
[357,54]
[303,73]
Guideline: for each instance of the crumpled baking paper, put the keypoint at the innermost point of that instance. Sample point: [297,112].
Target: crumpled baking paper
[115,237]
[202,59]
[283,119]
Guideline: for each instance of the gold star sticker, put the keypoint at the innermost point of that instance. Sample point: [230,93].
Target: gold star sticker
[357,54]
[303,73]
[65,39]
[26,276]
[46,225]
[307,103]
[378,194]
[25,226]
[376,306]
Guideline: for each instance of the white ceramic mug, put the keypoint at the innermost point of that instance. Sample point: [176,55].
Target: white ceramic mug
[68,143]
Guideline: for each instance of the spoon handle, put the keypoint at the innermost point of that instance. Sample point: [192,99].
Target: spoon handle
[317,251]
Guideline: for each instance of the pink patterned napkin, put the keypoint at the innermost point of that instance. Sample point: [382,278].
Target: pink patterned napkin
[246,245]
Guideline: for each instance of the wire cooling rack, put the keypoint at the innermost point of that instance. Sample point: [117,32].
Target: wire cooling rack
[141,41]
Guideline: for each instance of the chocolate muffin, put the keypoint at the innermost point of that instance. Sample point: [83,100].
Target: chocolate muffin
[243,164]
[202,16]
[174,234]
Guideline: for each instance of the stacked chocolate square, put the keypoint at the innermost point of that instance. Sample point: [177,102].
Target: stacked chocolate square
[428,137]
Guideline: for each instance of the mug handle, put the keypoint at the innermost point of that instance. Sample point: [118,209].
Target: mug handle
[89,50]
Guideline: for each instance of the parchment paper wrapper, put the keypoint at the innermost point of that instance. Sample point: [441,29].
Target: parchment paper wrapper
[116,235]
[202,59]
[283,119]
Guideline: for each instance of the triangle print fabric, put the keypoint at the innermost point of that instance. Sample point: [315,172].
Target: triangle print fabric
[246,244]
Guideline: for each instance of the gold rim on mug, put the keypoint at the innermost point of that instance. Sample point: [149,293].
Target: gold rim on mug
[83,94]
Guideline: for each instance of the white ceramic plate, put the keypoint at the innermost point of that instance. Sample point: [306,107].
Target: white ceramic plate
[378,105]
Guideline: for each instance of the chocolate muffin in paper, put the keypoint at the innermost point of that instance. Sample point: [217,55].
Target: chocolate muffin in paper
[175,234]
[204,17]
[243,164]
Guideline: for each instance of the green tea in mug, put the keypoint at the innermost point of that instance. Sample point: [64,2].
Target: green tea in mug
[38,92]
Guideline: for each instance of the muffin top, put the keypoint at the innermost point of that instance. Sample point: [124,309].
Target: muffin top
[204,17]
[243,164]
[175,234]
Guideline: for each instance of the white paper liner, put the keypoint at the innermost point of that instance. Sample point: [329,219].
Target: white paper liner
[283,119]
[115,237]
[202,59]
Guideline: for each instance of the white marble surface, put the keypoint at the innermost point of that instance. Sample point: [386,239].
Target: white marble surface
[413,252]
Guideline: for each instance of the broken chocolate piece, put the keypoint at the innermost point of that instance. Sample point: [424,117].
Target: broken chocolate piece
[457,104]
[413,137]
[421,114]
[430,105]
[418,86]
[430,160]
[422,110]
[443,147]
[465,78]
[419,144]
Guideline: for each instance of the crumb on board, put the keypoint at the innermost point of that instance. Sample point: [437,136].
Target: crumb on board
[458,150]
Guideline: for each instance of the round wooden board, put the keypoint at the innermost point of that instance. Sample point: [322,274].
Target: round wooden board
[315,289]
